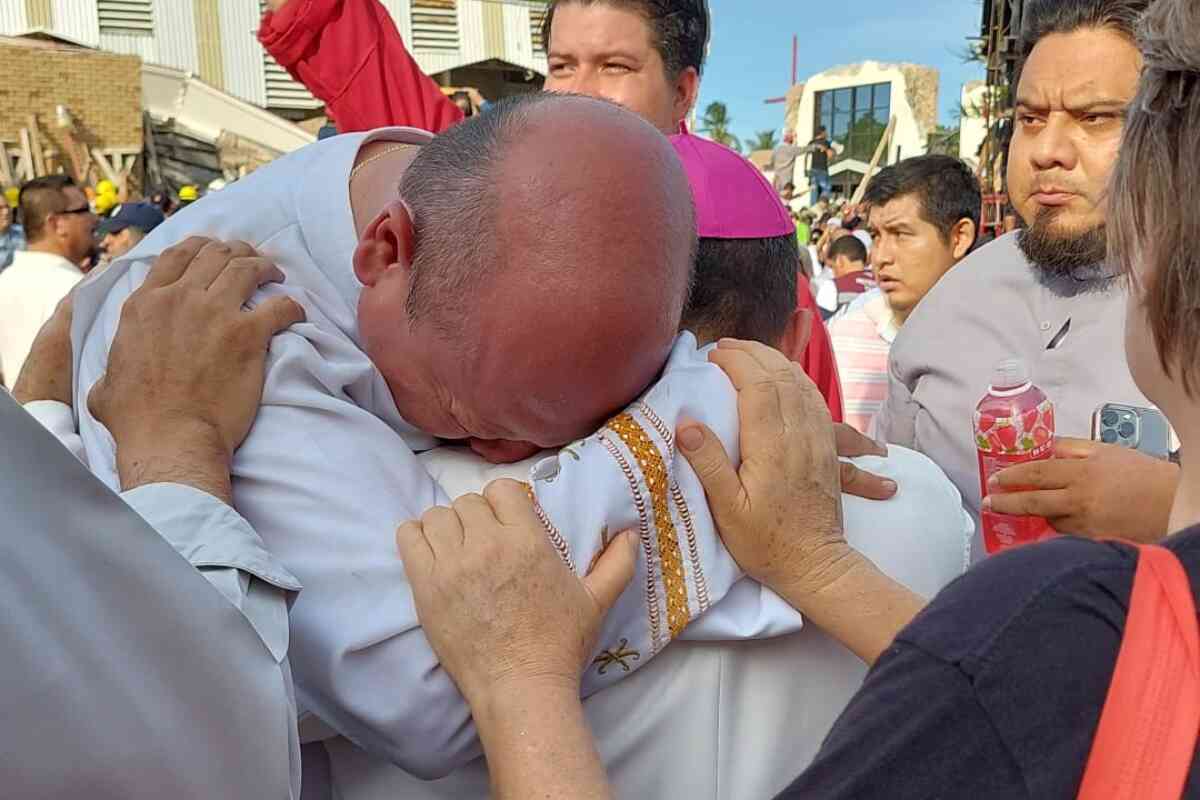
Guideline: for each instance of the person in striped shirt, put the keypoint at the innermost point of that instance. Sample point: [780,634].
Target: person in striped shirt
[924,219]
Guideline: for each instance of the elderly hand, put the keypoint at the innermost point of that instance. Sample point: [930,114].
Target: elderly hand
[789,463]
[780,513]
[46,374]
[857,482]
[1091,489]
[186,368]
[497,603]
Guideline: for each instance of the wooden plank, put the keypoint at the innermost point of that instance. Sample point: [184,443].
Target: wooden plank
[35,144]
[6,174]
[880,149]
[105,167]
[153,170]
[27,171]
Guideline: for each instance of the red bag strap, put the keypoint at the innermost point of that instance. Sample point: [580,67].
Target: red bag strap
[1146,738]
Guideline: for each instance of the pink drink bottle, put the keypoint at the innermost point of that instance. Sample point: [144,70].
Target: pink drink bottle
[1014,424]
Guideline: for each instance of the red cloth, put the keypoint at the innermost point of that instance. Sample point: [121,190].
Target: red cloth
[351,57]
[817,358]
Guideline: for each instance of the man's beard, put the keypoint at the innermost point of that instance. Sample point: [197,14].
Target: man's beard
[1067,262]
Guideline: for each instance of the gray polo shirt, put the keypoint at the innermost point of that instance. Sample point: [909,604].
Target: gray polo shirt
[988,308]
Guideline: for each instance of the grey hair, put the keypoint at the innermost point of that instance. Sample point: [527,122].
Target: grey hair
[450,191]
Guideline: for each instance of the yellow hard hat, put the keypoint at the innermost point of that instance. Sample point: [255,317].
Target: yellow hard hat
[106,187]
[105,202]
[12,194]
[188,193]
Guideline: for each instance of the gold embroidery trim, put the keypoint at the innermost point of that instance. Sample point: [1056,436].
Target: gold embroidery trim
[654,472]
[685,516]
[651,588]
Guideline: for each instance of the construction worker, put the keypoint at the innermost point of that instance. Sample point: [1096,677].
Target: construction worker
[188,195]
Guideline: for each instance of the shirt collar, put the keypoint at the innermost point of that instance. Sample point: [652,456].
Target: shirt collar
[877,309]
[323,203]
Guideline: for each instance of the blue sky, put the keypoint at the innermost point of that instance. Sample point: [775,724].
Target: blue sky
[751,55]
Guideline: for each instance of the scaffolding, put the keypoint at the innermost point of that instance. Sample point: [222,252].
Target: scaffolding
[1000,49]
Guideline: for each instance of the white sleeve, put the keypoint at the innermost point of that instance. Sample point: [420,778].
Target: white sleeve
[629,475]
[58,418]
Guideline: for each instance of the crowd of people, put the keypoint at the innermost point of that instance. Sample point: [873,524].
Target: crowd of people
[692,511]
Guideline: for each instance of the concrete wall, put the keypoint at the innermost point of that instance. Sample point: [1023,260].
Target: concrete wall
[102,90]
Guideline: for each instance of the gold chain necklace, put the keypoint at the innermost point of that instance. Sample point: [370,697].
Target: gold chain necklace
[377,156]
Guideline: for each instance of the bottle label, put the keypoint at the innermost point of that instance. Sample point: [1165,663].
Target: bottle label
[1016,436]
[1004,442]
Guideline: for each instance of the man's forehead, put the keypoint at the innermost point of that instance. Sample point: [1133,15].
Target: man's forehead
[902,209]
[598,28]
[1066,71]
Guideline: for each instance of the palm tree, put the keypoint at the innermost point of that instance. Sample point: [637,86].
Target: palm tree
[764,140]
[716,123]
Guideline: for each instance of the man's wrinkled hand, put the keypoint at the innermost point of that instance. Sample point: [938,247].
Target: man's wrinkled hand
[47,372]
[186,368]
[780,512]
[1091,489]
[497,603]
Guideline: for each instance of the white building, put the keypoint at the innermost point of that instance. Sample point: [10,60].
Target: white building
[972,127]
[854,103]
[493,46]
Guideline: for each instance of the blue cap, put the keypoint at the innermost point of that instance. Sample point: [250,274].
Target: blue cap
[143,216]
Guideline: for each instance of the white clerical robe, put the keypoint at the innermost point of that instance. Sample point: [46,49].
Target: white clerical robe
[329,469]
[126,676]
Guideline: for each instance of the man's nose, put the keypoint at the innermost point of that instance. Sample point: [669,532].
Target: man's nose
[1054,147]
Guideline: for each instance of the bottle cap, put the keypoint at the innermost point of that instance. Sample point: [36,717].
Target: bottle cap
[1010,374]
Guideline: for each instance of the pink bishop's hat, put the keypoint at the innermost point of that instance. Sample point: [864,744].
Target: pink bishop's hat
[733,199]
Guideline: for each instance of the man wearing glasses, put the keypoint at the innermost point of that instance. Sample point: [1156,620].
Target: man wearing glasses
[59,225]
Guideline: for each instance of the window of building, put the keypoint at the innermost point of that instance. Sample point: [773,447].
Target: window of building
[856,117]
[126,16]
[435,25]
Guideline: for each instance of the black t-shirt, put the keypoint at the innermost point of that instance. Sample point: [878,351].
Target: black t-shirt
[820,158]
[995,690]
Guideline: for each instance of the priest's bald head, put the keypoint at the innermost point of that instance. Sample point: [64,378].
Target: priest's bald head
[530,278]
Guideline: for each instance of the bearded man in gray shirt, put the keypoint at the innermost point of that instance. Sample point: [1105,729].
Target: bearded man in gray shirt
[1043,294]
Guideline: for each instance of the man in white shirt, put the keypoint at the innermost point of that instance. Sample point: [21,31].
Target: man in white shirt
[126,675]
[59,225]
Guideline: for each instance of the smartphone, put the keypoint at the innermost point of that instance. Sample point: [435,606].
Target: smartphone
[1143,429]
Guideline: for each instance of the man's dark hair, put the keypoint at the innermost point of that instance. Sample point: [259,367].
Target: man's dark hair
[40,199]
[1042,18]
[849,246]
[679,29]
[744,288]
[945,187]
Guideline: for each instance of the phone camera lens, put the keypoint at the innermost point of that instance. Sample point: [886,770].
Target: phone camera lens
[1127,430]
[1109,419]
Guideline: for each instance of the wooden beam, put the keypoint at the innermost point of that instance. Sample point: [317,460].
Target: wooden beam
[6,174]
[27,172]
[35,144]
[880,149]
[105,167]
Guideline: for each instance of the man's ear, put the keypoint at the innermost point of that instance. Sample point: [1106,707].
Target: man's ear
[386,244]
[962,238]
[687,91]
[797,333]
